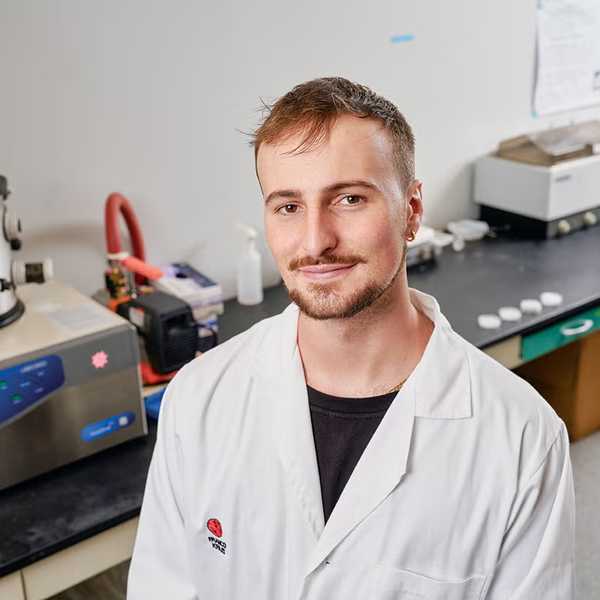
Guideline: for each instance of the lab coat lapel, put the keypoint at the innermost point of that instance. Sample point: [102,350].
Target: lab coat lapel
[439,387]
[282,379]
[379,470]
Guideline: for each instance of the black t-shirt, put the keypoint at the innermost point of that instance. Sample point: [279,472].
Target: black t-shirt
[342,428]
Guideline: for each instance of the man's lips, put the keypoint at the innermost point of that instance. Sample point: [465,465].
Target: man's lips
[324,272]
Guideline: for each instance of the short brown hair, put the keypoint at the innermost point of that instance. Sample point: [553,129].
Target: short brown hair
[314,106]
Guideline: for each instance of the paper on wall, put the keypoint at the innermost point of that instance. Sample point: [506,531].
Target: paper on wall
[567,55]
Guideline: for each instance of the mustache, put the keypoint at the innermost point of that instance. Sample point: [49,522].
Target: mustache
[327,259]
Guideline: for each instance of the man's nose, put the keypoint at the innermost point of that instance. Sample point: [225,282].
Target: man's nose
[319,236]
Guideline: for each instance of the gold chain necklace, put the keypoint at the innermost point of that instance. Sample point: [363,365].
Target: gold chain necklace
[397,387]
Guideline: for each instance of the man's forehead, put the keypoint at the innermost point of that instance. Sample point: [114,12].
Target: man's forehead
[355,148]
[345,129]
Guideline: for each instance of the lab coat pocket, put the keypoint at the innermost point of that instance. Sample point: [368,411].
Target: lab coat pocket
[398,584]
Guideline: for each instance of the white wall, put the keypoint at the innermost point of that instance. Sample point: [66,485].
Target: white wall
[147,97]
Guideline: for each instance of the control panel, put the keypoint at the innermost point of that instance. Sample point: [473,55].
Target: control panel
[25,385]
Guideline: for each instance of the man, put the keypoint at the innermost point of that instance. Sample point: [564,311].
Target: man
[354,446]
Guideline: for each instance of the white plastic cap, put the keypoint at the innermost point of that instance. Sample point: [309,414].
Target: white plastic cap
[531,306]
[551,298]
[509,313]
[489,321]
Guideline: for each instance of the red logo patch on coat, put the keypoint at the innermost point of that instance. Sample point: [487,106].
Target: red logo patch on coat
[215,527]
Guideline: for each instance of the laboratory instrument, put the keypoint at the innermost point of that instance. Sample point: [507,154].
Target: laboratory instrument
[540,187]
[168,328]
[69,382]
[14,273]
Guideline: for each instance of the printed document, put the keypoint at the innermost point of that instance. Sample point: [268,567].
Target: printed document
[568,55]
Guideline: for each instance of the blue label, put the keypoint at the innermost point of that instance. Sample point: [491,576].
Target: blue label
[398,39]
[100,429]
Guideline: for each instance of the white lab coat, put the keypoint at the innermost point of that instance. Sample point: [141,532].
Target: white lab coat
[464,492]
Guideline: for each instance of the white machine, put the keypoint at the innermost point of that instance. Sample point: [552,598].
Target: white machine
[538,201]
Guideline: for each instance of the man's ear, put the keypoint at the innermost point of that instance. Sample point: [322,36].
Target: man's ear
[414,214]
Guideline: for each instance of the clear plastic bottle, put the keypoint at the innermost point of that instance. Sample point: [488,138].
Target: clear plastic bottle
[249,274]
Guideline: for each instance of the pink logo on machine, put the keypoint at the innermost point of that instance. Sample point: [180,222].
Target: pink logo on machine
[99,360]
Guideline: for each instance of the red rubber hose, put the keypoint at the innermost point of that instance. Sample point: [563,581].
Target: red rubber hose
[142,268]
[117,203]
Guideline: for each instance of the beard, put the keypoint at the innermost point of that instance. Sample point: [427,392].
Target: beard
[321,302]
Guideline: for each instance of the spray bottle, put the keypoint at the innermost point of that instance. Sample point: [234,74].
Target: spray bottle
[249,275]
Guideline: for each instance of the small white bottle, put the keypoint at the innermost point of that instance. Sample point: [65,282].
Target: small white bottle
[249,274]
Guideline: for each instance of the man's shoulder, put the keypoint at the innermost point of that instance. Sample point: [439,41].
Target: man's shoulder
[509,406]
[240,348]
[231,361]
[508,385]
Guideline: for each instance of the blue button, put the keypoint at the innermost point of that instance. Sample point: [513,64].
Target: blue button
[16,399]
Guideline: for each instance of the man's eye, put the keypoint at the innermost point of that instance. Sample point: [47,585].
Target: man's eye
[351,200]
[287,209]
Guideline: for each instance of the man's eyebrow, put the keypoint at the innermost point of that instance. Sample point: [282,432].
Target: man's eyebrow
[282,194]
[334,187]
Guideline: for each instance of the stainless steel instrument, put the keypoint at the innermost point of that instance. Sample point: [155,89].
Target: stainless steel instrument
[69,382]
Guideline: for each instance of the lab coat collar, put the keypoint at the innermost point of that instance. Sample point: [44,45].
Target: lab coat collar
[439,388]
[443,375]
[443,386]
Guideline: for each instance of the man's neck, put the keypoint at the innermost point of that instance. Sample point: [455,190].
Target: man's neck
[368,354]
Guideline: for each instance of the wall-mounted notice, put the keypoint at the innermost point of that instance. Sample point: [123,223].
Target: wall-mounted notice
[568,55]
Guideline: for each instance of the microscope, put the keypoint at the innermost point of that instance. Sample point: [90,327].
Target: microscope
[13,273]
